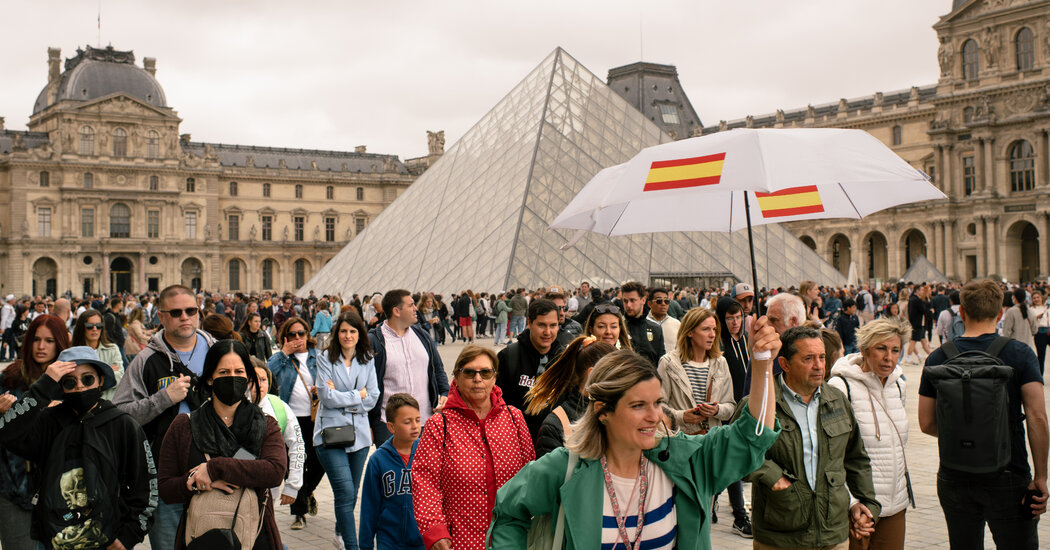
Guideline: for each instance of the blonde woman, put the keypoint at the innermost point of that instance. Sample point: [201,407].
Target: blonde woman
[655,492]
[138,334]
[606,323]
[697,384]
[810,294]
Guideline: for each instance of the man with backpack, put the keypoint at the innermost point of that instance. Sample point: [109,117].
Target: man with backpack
[949,323]
[98,485]
[971,396]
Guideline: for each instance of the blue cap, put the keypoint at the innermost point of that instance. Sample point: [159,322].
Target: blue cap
[84,355]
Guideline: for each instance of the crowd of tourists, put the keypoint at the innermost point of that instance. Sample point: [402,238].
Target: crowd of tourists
[188,417]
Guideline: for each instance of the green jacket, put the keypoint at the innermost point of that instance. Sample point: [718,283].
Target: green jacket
[699,466]
[799,516]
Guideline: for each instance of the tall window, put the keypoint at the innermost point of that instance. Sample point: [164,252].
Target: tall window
[669,114]
[87,140]
[43,222]
[233,189]
[152,144]
[360,193]
[153,224]
[266,190]
[119,221]
[154,183]
[298,191]
[267,274]
[191,225]
[45,179]
[1025,49]
[931,170]
[970,59]
[120,143]
[89,180]
[329,192]
[191,185]
[329,230]
[87,222]
[359,225]
[300,273]
[267,228]
[299,222]
[234,223]
[1022,166]
[898,135]
[969,175]
[235,275]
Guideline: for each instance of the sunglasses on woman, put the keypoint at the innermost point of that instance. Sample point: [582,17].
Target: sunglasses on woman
[485,373]
[93,326]
[296,333]
[607,308]
[69,383]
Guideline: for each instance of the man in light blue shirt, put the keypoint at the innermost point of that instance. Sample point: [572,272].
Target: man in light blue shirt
[805,410]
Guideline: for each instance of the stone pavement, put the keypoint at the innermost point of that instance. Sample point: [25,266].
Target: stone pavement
[925,524]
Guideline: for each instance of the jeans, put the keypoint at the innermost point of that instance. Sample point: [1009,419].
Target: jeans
[500,332]
[517,325]
[313,471]
[971,500]
[15,533]
[344,474]
[165,525]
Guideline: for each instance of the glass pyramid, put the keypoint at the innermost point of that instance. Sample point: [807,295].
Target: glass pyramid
[478,218]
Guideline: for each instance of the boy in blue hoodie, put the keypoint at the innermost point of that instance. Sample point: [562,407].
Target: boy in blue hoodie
[387,520]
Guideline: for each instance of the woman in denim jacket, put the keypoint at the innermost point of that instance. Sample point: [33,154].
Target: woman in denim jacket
[347,387]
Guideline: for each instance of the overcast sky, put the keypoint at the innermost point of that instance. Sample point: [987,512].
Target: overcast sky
[335,74]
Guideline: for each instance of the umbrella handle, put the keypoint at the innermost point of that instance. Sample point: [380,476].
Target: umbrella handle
[765,402]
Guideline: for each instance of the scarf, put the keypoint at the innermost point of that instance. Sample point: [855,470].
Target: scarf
[213,437]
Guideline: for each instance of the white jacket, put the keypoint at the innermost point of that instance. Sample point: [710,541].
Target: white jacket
[293,442]
[679,392]
[879,409]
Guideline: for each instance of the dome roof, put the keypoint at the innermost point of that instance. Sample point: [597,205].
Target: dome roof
[96,73]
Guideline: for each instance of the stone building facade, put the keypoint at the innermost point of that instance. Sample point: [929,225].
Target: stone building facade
[103,194]
[981,132]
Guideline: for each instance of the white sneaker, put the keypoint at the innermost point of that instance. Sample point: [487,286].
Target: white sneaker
[338,542]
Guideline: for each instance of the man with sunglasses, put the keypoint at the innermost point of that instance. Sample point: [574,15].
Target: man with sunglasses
[97,478]
[568,328]
[647,338]
[659,306]
[162,382]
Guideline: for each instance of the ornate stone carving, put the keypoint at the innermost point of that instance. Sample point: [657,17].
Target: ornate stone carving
[1022,102]
[946,56]
[18,143]
[992,45]
[723,125]
[749,121]
[436,142]
[251,233]
[780,116]
[250,161]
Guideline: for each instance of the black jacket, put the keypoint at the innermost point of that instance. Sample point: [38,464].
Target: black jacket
[552,434]
[518,368]
[32,426]
[114,328]
[258,344]
[647,338]
[437,380]
[735,351]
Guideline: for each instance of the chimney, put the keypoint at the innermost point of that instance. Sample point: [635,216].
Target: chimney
[360,148]
[150,64]
[54,73]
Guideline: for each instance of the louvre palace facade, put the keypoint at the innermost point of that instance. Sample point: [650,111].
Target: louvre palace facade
[103,194]
[980,132]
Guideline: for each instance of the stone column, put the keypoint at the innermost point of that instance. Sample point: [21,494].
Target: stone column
[143,259]
[1044,250]
[994,246]
[949,249]
[933,248]
[103,285]
[943,178]
[1041,179]
[990,167]
[951,187]
[980,177]
[982,247]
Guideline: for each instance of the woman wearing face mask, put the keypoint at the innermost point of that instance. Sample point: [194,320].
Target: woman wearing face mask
[91,332]
[110,468]
[45,337]
[199,448]
[255,338]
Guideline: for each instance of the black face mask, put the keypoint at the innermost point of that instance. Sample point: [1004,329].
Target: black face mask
[229,389]
[83,401]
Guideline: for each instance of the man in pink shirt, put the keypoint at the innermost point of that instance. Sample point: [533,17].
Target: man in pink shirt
[406,360]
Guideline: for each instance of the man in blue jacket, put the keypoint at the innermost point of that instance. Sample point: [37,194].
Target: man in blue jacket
[407,361]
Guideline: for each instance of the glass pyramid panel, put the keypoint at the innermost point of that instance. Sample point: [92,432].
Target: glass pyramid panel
[479,217]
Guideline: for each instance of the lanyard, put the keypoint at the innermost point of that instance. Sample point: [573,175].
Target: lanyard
[621,521]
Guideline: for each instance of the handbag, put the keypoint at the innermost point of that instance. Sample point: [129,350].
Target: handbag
[209,512]
[339,437]
[540,535]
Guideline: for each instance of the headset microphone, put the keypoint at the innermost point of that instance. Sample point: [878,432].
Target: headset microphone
[665,454]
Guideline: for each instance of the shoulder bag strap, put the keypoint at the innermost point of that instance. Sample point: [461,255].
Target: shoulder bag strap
[950,351]
[907,475]
[997,346]
[566,426]
[295,363]
[559,526]
[849,394]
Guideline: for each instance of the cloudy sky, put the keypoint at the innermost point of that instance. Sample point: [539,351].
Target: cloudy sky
[334,74]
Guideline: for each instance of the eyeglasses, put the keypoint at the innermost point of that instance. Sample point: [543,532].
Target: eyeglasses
[190,312]
[93,326]
[560,308]
[485,373]
[607,308]
[69,383]
[296,333]
[661,301]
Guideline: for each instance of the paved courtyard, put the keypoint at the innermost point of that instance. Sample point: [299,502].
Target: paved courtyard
[925,529]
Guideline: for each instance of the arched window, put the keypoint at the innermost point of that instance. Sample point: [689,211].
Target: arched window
[300,272]
[298,191]
[360,193]
[152,144]
[235,275]
[267,274]
[120,221]
[120,143]
[897,135]
[87,140]
[967,115]
[1022,166]
[970,59]
[233,189]
[1025,47]
[329,192]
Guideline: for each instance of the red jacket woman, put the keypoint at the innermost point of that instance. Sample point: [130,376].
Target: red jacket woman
[467,452]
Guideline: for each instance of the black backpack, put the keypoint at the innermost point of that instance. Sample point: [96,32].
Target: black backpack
[974,427]
[861,302]
[78,499]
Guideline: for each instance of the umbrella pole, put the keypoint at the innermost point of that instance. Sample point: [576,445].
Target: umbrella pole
[751,249]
